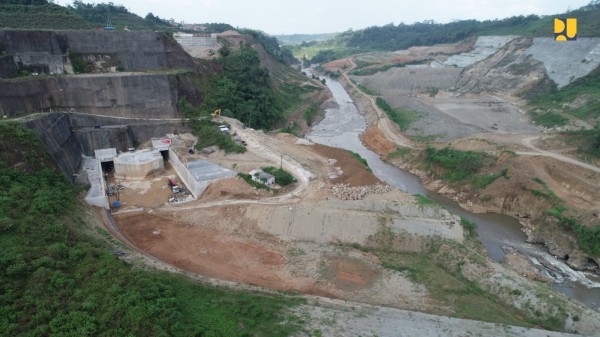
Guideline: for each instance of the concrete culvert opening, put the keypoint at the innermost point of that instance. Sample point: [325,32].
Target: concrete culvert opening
[165,155]
[108,167]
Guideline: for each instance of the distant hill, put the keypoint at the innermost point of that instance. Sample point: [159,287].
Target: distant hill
[396,37]
[38,14]
[295,39]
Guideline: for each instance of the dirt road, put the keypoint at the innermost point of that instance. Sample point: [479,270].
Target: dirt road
[539,152]
[389,128]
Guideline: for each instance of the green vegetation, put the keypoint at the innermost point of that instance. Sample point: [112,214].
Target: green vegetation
[292,128]
[360,159]
[38,14]
[400,116]
[482,180]
[549,119]
[311,113]
[364,69]
[59,279]
[210,135]
[589,140]
[588,238]
[255,184]
[423,200]
[581,99]
[471,227]
[364,89]
[80,66]
[103,14]
[243,90]
[545,192]
[400,152]
[295,39]
[282,177]
[424,139]
[430,33]
[456,164]
[446,283]
[271,45]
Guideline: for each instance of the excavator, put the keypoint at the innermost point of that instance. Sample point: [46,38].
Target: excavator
[217,113]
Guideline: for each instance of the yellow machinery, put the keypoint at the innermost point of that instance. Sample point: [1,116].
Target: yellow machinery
[216,113]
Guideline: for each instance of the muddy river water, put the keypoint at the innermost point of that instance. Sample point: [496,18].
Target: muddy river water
[342,127]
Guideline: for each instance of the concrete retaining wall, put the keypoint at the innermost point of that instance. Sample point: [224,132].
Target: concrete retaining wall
[150,95]
[195,187]
[96,195]
[138,164]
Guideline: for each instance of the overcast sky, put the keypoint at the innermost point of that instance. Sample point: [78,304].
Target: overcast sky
[328,16]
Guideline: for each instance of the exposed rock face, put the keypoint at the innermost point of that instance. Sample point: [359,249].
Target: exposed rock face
[104,92]
[523,63]
[133,50]
[125,95]
[55,132]
[97,132]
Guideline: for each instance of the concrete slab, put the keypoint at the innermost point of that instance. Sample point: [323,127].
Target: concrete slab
[139,157]
[161,144]
[105,155]
[203,170]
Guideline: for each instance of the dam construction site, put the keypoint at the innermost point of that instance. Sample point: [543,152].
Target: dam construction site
[448,189]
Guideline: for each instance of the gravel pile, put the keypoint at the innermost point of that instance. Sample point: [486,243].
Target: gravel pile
[346,192]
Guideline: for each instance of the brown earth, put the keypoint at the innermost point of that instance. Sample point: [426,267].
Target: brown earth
[375,140]
[355,174]
[209,252]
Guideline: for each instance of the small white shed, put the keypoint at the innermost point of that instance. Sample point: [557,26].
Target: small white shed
[262,177]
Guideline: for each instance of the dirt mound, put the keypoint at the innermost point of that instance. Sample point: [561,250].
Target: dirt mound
[354,173]
[337,65]
[231,188]
[374,139]
[350,274]
[207,251]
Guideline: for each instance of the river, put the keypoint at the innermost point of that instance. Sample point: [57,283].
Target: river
[342,127]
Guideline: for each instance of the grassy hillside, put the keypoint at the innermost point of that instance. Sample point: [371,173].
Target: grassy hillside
[396,37]
[580,99]
[99,15]
[38,14]
[60,278]
[295,39]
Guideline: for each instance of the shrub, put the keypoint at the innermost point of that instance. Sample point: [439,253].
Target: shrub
[282,177]
[457,164]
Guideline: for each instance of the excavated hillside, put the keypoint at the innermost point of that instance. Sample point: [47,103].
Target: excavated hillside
[125,74]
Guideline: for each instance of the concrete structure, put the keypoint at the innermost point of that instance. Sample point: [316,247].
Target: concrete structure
[162,144]
[262,177]
[197,175]
[138,164]
[96,195]
[196,40]
[106,155]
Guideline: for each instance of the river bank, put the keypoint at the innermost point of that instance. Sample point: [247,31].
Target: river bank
[343,129]
[543,251]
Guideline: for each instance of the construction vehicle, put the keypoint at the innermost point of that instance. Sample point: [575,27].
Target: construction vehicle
[173,185]
[217,113]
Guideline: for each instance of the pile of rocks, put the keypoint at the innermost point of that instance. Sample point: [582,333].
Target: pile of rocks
[346,192]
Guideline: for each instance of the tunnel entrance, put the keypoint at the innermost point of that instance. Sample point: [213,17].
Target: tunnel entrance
[165,155]
[108,167]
